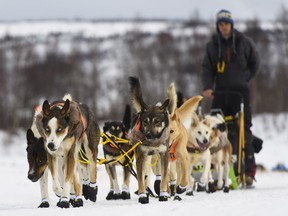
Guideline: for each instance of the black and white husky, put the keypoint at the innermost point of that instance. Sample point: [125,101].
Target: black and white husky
[64,126]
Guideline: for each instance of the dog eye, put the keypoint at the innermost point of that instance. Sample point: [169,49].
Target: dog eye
[47,129]
[199,132]
[59,129]
[171,131]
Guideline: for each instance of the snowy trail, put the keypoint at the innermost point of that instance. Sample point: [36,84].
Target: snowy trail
[19,196]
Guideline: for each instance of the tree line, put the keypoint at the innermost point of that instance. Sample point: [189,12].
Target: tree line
[95,70]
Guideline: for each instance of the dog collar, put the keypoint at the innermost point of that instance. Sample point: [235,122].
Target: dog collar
[172,148]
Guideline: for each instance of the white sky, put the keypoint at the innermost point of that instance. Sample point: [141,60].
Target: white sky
[95,9]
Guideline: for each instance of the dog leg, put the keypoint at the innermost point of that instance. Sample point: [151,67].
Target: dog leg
[182,174]
[220,169]
[164,172]
[53,167]
[69,174]
[173,176]
[226,173]
[109,172]
[141,159]
[44,190]
[206,168]
[92,190]
[189,191]
[126,182]
[76,201]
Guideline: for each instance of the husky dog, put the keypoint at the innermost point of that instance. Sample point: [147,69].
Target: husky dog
[198,146]
[38,163]
[64,126]
[152,128]
[178,139]
[221,154]
[112,152]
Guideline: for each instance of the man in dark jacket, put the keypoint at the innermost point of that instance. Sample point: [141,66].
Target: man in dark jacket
[230,62]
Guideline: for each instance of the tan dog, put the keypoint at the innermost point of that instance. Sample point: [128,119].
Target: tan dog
[221,154]
[178,139]
[199,152]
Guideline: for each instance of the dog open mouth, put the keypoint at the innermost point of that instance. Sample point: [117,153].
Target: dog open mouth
[201,145]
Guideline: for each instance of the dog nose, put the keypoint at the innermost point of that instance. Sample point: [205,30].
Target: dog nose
[51,146]
[30,176]
[149,135]
[205,141]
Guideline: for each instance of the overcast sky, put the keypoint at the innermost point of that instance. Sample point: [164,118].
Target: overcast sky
[95,9]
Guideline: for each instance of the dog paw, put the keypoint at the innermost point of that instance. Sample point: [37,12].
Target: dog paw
[172,190]
[143,199]
[211,187]
[110,195]
[91,193]
[190,193]
[163,198]
[44,204]
[84,190]
[201,187]
[125,195]
[177,198]
[157,186]
[180,189]
[76,202]
[226,189]
[63,204]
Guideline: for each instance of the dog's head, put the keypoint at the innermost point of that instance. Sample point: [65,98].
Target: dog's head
[115,128]
[55,123]
[151,120]
[200,133]
[36,155]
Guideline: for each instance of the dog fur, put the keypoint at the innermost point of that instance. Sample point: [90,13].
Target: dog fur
[152,127]
[65,125]
[198,146]
[38,162]
[221,155]
[120,130]
[178,138]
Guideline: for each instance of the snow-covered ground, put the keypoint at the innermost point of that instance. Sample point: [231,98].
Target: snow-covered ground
[19,196]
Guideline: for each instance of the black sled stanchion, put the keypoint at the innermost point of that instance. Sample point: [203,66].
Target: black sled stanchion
[237,121]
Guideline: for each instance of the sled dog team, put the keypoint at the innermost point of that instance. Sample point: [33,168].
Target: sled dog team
[62,130]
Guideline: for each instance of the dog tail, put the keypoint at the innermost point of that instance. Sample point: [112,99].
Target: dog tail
[213,121]
[67,97]
[172,96]
[136,94]
[189,106]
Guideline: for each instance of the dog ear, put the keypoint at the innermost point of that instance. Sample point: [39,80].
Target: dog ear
[136,95]
[30,136]
[195,120]
[106,126]
[164,106]
[64,111]
[46,108]
[127,118]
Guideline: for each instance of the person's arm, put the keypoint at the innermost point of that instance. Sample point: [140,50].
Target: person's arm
[207,74]
[253,59]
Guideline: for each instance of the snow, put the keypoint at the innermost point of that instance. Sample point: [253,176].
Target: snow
[19,196]
[88,29]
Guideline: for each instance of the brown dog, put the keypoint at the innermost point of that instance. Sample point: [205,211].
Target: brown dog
[64,126]
[152,128]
